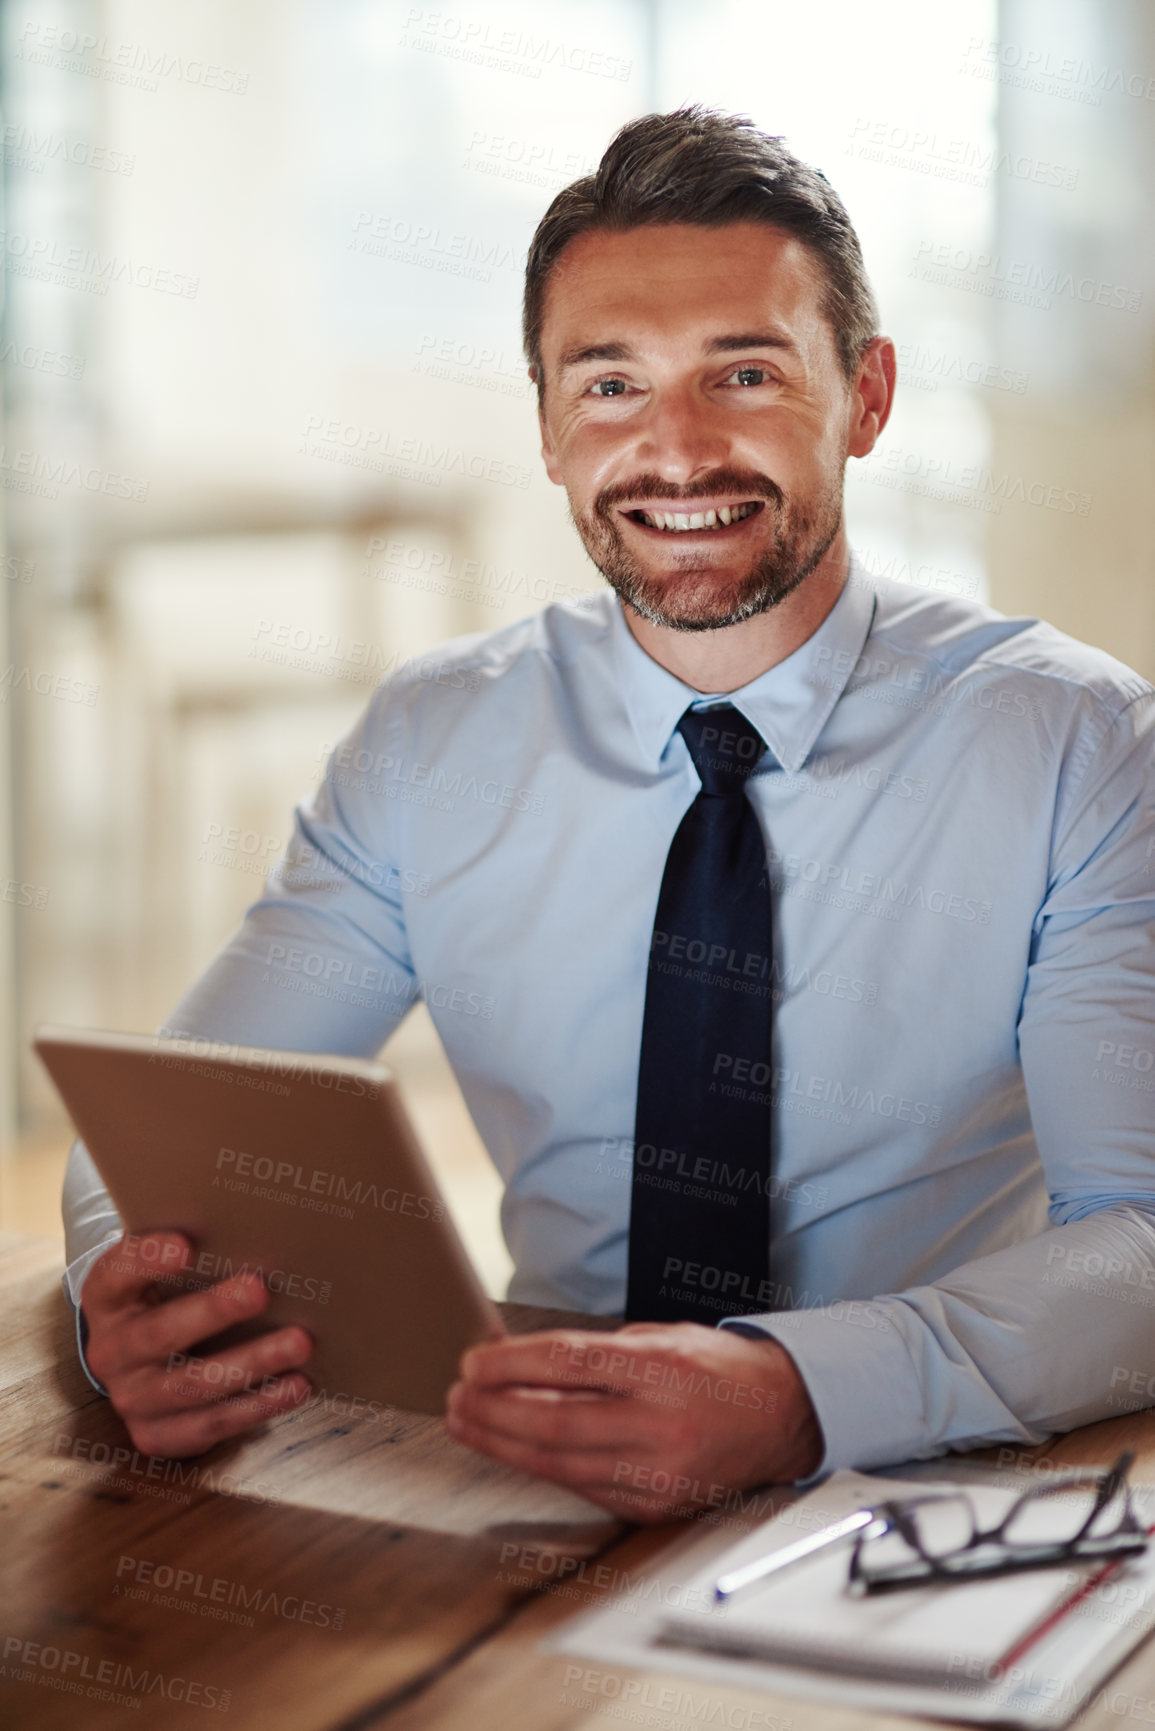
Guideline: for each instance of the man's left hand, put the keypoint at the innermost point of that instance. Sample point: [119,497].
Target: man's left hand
[651,1422]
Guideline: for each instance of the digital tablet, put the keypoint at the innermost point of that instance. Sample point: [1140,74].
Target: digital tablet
[305,1169]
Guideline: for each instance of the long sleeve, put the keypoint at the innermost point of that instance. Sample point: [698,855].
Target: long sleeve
[1052,1332]
[321,962]
[960,832]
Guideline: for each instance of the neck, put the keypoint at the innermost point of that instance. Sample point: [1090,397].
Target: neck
[727,659]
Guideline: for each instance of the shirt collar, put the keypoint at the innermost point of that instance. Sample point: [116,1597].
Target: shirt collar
[789,704]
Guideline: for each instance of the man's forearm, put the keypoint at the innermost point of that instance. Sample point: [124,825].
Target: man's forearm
[1044,1336]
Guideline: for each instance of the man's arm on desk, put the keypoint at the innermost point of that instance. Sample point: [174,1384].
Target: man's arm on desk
[1044,1335]
[1037,1338]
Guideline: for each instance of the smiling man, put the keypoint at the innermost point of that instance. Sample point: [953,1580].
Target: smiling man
[790,933]
[633,427]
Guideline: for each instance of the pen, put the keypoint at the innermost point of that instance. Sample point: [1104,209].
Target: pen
[736,1579]
[1073,1600]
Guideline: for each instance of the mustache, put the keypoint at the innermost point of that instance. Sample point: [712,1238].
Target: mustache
[747,482]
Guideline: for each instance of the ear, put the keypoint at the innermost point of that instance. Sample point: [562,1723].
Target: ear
[871,396]
[548,448]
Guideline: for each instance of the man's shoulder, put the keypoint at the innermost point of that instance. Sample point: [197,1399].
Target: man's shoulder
[960,635]
[548,643]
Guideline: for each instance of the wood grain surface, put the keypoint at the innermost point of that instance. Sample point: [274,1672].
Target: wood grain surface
[330,1572]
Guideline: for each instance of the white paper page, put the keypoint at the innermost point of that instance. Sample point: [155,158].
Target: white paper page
[806,1615]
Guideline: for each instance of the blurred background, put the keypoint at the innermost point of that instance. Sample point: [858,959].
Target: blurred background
[267,430]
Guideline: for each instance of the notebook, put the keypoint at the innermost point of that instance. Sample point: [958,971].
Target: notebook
[806,1616]
[1024,1650]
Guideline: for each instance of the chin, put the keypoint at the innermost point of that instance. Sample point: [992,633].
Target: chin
[711,608]
[701,599]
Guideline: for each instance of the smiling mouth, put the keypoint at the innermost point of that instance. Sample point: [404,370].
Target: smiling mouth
[681,522]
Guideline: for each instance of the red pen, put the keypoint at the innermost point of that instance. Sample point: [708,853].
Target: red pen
[1047,1623]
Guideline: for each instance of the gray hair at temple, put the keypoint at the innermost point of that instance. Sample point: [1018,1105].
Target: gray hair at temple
[698,166]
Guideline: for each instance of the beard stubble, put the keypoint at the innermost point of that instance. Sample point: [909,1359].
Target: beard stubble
[694,595]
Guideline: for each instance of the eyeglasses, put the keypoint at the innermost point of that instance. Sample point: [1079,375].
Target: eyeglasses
[938,1538]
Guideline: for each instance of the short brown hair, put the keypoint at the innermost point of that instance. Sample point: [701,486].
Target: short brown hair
[698,166]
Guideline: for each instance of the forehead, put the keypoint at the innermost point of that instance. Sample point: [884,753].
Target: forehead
[679,278]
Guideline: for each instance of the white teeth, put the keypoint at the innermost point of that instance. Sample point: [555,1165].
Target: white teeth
[677,522]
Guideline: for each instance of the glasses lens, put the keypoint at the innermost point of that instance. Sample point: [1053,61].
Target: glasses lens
[931,1527]
[1059,1513]
[943,1524]
[891,1551]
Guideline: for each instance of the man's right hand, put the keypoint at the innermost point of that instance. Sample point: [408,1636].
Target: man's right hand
[140,1346]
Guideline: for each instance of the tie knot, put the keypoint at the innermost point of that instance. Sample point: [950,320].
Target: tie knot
[725,748]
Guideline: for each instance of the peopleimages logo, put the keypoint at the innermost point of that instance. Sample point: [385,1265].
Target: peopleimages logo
[830,875]
[216,1595]
[423,783]
[21,467]
[128,1469]
[481,42]
[210,1265]
[136,64]
[368,447]
[24,147]
[81,266]
[286,1175]
[66,1670]
[1019,280]
[1034,68]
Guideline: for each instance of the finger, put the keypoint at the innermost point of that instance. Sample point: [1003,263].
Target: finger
[598,1477]
[551,1418]
[191,1433]
[156,1333]
[664,1335]
[119,1278]
[576,1468]
[187,1380]
[565,1357]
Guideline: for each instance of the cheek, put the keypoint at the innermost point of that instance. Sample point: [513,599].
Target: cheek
[784,443]
[802,470]
[589,457]
[584,438]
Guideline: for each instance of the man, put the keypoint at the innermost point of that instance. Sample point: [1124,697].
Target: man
[790,934]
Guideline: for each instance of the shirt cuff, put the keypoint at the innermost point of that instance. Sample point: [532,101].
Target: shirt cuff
[861,1379]
[73,1281]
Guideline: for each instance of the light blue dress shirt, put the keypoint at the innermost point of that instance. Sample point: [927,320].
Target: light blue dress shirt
[959,814]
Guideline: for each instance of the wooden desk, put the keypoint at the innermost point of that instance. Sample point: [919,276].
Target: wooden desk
[333,1572]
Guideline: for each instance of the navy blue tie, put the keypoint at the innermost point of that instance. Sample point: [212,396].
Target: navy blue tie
[700,1203]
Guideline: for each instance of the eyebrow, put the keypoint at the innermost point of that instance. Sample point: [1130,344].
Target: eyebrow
[595,352]
[724,345]
[750,340]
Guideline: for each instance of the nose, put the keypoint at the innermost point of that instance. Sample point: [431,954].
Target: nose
[680,436]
